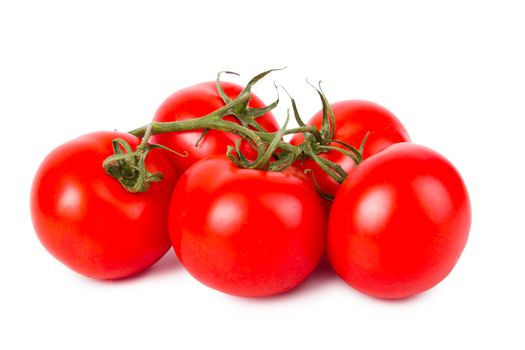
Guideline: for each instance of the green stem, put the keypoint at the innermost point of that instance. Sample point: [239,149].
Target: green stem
[345,152]
[213,121]
[307,128]
[129,168]
[145,138]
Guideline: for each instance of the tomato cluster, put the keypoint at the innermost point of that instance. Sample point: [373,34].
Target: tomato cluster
[245,211]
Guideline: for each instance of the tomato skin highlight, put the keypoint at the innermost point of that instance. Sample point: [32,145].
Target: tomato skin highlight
[88,221]
[354,118]
[197,101]
[399,222]
[246,232]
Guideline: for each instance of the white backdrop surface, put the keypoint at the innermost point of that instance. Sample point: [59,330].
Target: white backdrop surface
[452,71]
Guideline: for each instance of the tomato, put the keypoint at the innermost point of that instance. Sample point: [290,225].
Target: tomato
[88,221]
[354,118]
[197,101]
[399,222]
[246,232]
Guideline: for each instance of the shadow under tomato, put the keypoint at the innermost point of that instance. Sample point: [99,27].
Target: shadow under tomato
[321,276]
[401,301]
[167,265]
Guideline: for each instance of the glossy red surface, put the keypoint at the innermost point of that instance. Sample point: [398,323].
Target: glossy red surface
[197,101]
[88,221]
[399,222]
[354,118]
[246,232]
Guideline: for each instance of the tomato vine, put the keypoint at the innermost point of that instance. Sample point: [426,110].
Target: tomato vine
[273,153]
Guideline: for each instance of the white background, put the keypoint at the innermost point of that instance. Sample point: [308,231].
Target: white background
[452,71]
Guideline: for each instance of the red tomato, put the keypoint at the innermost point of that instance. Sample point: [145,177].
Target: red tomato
[354,118]
[399,222]
[246,232]
[88,221]
[197,101]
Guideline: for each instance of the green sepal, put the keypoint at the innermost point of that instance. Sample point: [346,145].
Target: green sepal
[328,123]
[129,168]
[220,90]
[263,161]
[203,134]
[323,194]
[156,145]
